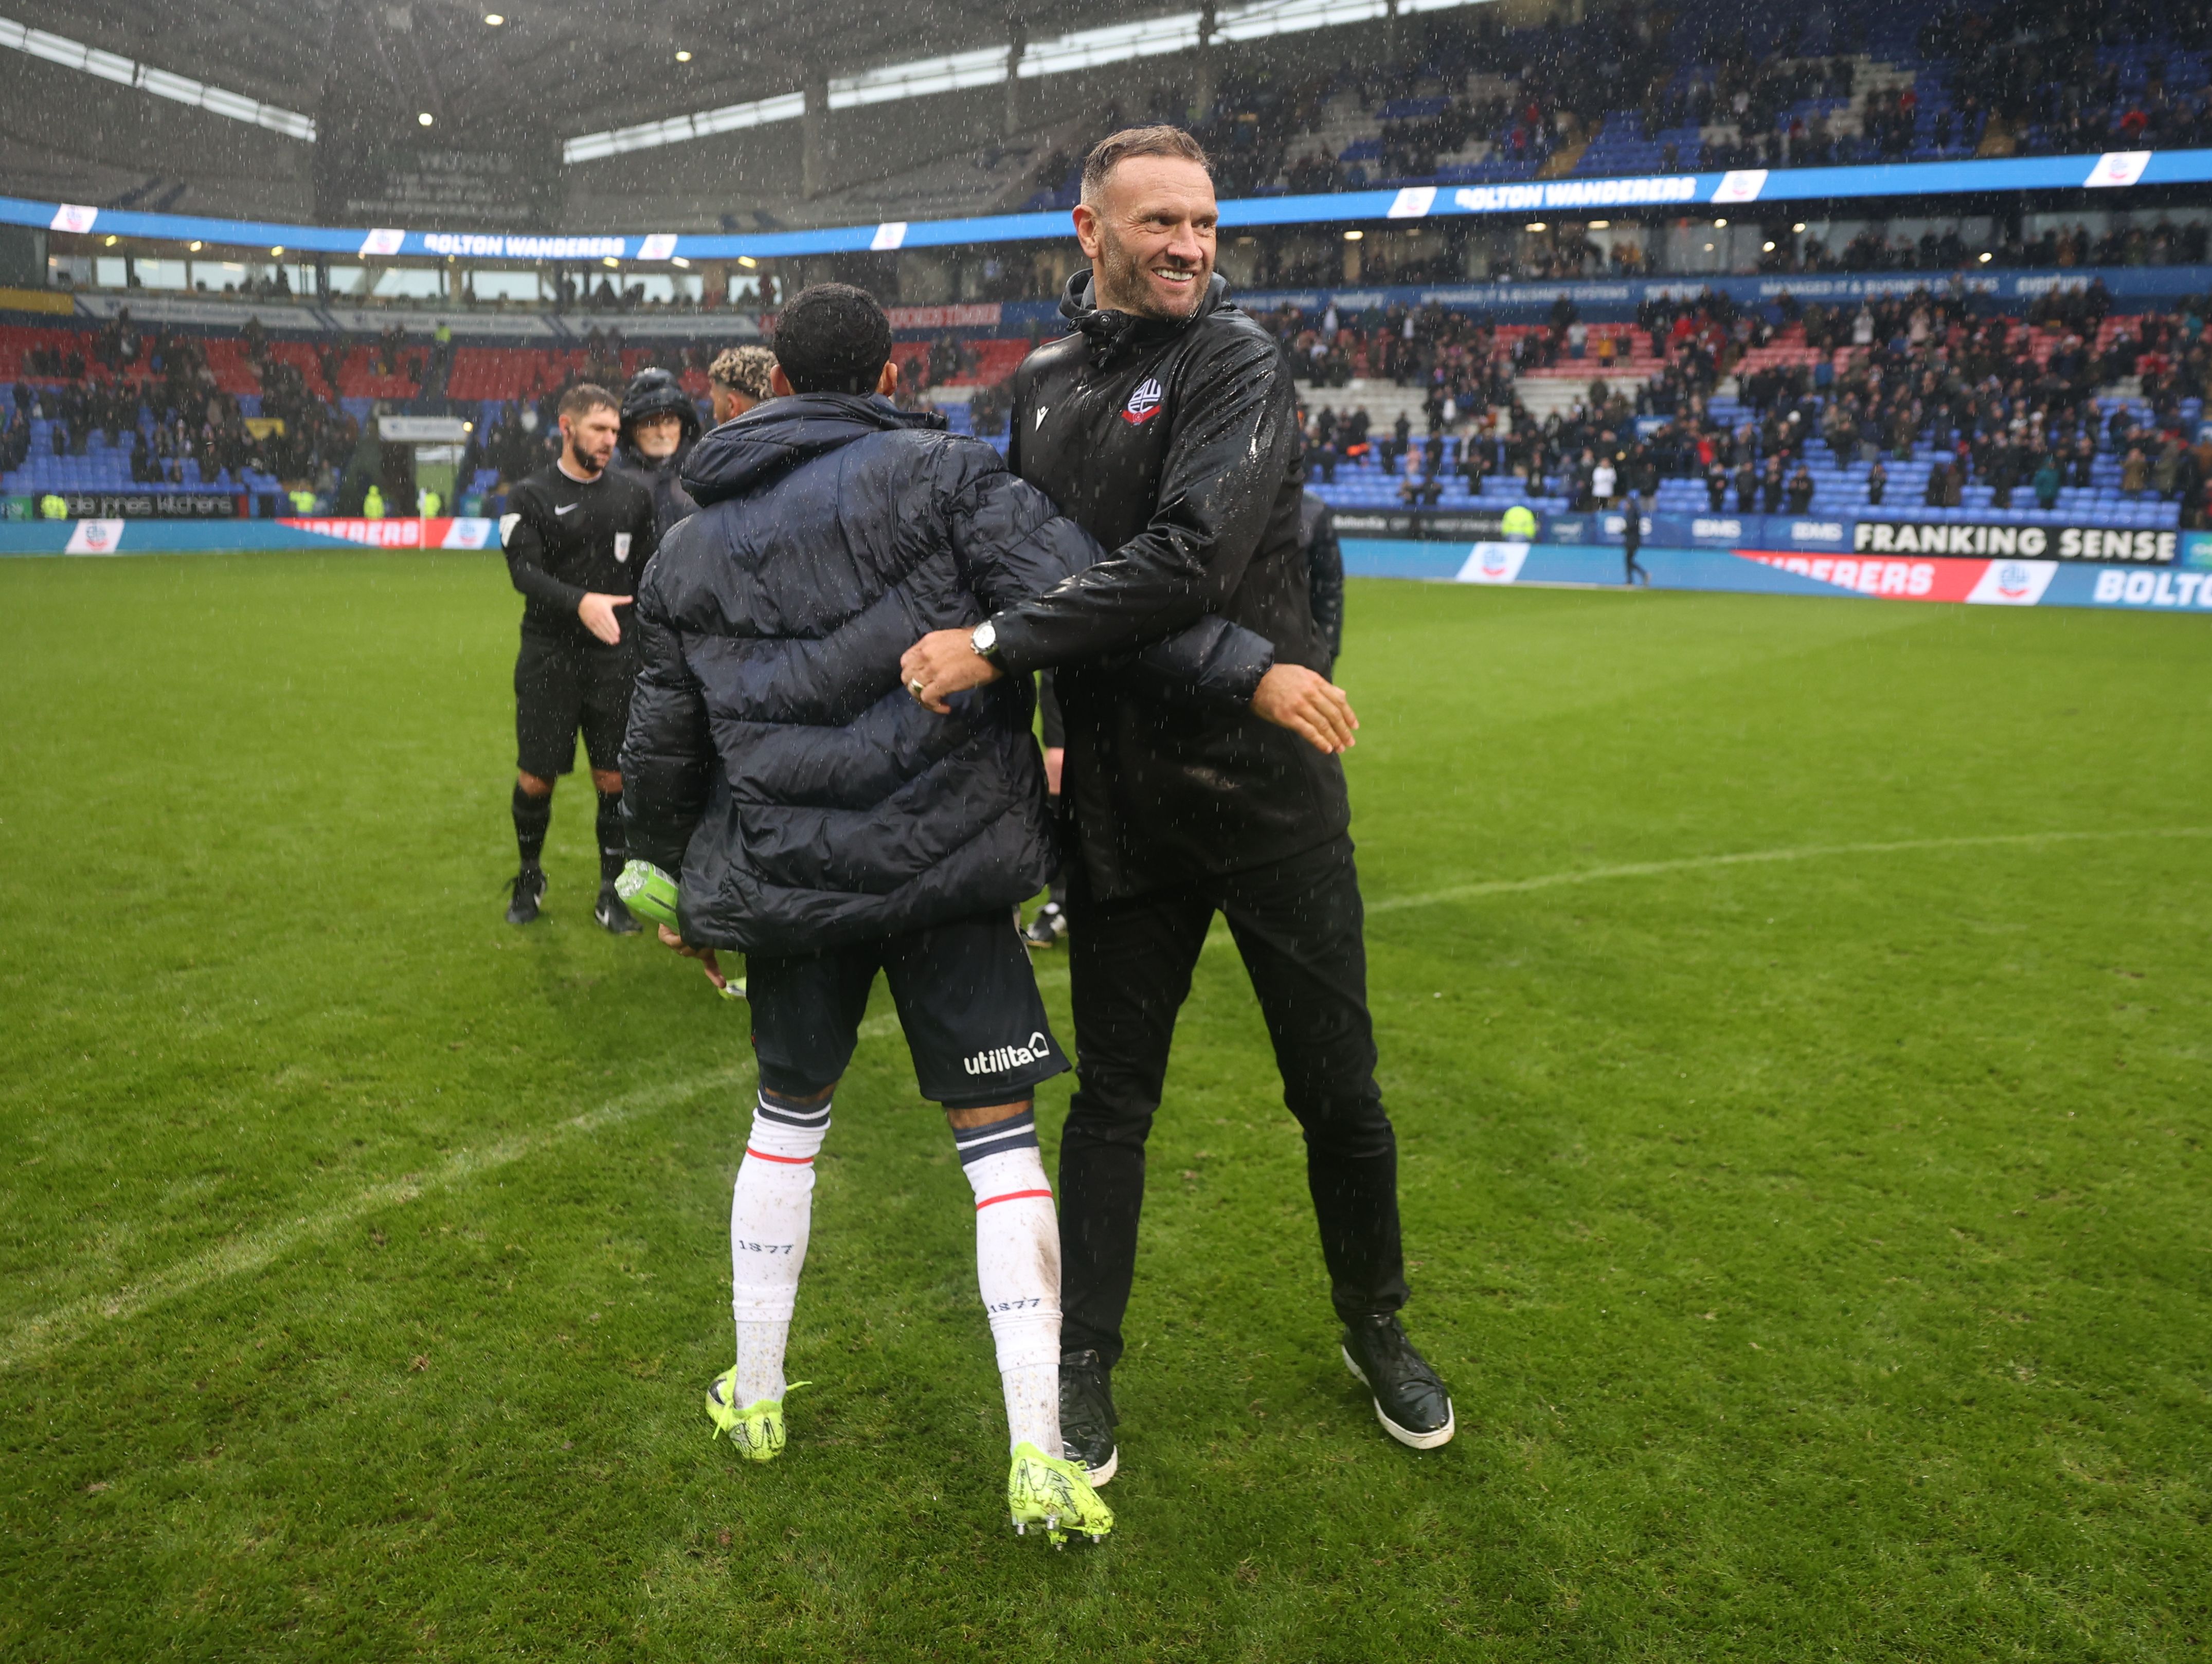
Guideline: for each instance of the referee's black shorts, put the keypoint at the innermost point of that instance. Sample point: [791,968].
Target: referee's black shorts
[966,998]
[560,688]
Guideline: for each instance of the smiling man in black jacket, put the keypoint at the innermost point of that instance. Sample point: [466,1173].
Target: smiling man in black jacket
[1165,425]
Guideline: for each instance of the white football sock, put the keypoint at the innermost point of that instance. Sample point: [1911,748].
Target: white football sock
[1017,1271]
[769,1211]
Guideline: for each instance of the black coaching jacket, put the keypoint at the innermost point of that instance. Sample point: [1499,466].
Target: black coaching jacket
[773,759]
[1176,446]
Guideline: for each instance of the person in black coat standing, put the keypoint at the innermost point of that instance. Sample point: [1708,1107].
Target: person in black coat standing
[1165,424]
[660,426]
[822,822]
[1324,574]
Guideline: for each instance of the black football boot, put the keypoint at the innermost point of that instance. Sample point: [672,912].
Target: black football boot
[614,918]
[524,892]
[1086,1415]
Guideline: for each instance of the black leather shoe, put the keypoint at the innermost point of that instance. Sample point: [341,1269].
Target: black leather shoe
[524,893]
[1410,1402]
[1086,1415]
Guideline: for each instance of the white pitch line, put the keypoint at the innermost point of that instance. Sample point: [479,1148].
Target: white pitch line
[36,1336]
[1760,857]
[1218,935]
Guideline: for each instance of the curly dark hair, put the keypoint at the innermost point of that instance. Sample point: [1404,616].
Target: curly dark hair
[833,338]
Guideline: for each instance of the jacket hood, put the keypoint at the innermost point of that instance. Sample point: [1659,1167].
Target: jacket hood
[770,439]
[1108,330]
[651,393]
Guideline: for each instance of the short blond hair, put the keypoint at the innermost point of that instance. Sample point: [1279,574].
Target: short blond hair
[743,370]
[1116,148]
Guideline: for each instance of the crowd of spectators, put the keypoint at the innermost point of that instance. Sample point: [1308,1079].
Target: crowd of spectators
[2011,403]
[989,407]
[1715,90]
[2080,76]
[2162,243]
[515,437]
[2020,405]
[154,385]
[1469,358]
[948,358]
[520,438]
[1250,129]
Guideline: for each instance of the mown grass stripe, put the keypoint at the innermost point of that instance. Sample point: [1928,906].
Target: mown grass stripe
[36,1336]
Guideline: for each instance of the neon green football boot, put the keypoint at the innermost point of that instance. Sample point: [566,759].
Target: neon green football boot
[651,894]
[757,1430]
[648,892]
[1047,1491]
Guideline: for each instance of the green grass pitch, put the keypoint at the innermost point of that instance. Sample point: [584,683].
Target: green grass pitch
[1816,1243]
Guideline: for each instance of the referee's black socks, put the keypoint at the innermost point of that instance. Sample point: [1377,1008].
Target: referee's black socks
[614,846]
[532,817]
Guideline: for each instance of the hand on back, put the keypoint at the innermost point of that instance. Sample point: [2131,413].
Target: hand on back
[1307,703]
[943,663]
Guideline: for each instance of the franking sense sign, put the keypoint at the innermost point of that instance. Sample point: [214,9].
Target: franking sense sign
[1987,540]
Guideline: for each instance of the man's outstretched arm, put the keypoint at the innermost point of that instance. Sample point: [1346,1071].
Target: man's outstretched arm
[525,548]
[1013,545]
[1225,464]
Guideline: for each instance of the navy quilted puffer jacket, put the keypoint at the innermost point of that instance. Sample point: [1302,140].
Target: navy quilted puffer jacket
[773,759]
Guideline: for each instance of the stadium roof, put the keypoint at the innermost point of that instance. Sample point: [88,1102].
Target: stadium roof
[1019,52]
[552,70]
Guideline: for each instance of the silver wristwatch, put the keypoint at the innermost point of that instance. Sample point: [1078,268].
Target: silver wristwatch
[985,641]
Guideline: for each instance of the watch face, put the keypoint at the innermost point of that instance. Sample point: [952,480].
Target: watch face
[985,638]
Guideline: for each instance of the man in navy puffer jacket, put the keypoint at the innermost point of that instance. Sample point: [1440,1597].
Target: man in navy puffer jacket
[808,800]
[825,823]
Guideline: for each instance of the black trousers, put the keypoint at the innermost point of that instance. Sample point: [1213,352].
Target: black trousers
[1298,925]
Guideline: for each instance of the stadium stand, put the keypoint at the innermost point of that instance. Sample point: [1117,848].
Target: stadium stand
[1643,89]
[1862,406]
[1866,402]
[2081,417]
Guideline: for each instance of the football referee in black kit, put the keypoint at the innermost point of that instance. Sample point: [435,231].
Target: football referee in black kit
[576,537]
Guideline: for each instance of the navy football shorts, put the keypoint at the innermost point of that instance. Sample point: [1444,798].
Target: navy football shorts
[966,996]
